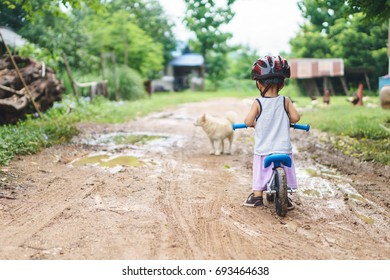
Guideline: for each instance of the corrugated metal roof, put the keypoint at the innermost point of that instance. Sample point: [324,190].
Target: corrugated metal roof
[188,59]
[11,38]
[304,68]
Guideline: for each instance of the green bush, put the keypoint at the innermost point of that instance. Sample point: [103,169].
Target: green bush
[233,84]
[129,81]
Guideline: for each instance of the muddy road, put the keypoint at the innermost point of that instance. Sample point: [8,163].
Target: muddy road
[148,189]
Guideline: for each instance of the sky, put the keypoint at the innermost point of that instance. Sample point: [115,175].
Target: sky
[266,26]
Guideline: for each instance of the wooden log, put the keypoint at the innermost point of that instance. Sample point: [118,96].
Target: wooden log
[20,76]
[41,83]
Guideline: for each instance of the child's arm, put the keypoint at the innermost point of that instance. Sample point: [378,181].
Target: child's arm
[292,112]
[251,117]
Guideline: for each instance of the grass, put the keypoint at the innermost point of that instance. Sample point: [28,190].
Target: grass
[31,136]
[361,132]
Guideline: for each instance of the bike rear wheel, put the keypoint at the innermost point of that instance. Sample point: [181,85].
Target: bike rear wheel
[281,199]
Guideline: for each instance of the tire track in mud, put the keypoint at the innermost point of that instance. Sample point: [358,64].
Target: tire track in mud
[196,210]
[267,236]
[33,213]
[212,227]
[236,232]
[190,209]
[172,199]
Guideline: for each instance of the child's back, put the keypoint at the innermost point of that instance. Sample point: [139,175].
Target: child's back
[272,133]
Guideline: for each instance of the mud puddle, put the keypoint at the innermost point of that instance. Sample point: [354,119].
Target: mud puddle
[118,150]
[327,189]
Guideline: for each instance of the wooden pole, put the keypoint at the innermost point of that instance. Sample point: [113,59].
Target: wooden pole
[367,81]
[330,85]
[21,77]
[344,84]
[72,82]
[324,84]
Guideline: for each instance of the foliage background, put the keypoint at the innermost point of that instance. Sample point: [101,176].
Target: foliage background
[139,36]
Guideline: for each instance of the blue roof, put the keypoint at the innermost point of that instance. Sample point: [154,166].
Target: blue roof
[188,59]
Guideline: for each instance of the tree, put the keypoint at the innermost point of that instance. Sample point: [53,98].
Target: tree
[150,17]
[378,10]
[49,27]
[12,16]
[18,13]
[56,35]
[205,18]
[322,14]
[136,29]
[310,42]
[241,61]
[116,33]
[361,45]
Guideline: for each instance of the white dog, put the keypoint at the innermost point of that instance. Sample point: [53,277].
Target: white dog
[218,129]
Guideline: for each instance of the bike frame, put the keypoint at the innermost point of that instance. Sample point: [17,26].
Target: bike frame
[277,160]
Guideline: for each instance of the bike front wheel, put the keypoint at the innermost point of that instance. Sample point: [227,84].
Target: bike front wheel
[281,199]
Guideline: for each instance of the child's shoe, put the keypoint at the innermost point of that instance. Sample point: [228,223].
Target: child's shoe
[253,201]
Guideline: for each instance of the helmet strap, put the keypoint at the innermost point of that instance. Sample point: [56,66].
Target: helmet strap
[263,92]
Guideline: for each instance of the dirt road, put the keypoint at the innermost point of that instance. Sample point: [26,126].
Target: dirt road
[169,199]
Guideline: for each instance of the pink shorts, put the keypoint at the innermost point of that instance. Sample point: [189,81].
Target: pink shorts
[262,175]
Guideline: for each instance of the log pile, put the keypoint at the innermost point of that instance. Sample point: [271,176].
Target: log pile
[15,102]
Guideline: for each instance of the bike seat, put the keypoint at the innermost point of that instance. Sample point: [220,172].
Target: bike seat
[277,159]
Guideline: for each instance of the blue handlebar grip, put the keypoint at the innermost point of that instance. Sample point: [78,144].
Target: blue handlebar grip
[301,126]
[239,125]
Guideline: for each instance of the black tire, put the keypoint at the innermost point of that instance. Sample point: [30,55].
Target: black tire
[281,200]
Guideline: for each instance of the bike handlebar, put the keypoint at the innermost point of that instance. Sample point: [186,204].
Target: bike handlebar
[239,125]
[305,127]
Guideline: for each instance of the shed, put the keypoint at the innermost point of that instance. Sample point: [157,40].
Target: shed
[188,70]
[318,73]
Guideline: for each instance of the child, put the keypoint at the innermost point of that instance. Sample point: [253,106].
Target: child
[270,115]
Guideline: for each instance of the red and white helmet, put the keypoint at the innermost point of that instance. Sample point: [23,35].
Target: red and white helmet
[270,69]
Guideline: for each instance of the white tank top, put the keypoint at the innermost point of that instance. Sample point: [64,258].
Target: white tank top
[272,132]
